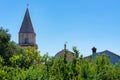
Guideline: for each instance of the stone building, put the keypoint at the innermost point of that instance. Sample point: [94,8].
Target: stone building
[66,52]
[27,36]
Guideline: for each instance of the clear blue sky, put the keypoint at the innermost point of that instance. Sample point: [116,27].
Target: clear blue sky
[82,23]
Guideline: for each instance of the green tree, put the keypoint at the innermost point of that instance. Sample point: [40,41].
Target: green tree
[8,48]
[76,52]
[29,57]
[4,40]
[102,67]
[1,61]
[10,73]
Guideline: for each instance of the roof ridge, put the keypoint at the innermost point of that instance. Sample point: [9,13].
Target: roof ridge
[109,51]
[113,53]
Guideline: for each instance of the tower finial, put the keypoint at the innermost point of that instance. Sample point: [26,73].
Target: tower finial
[65,45]
[27,5]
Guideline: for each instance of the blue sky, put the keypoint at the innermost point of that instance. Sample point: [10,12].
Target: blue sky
[82,23]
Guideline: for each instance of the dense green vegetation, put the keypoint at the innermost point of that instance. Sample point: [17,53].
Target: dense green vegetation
[17,63]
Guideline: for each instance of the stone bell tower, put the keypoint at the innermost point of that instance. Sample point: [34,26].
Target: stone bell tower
[27,36]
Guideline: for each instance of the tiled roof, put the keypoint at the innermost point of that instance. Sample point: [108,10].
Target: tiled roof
[26,26]
[108,52]
[114,58]
[62,52]
[68,53]
[104,52]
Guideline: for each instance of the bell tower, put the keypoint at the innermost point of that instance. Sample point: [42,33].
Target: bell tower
[27,36]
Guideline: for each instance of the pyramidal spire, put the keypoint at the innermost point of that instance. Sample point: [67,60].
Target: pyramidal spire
[26,26]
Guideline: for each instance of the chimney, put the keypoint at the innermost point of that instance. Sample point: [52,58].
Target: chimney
[94,50]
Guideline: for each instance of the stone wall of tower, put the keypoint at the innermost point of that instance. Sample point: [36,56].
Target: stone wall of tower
[27,38]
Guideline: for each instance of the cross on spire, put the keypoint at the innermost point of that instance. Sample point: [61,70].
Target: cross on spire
[27,5]
[65,45]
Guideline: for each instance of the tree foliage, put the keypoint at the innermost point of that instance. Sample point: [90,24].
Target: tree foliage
[18,63]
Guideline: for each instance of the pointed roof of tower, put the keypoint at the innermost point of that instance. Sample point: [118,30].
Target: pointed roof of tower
[26,26]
